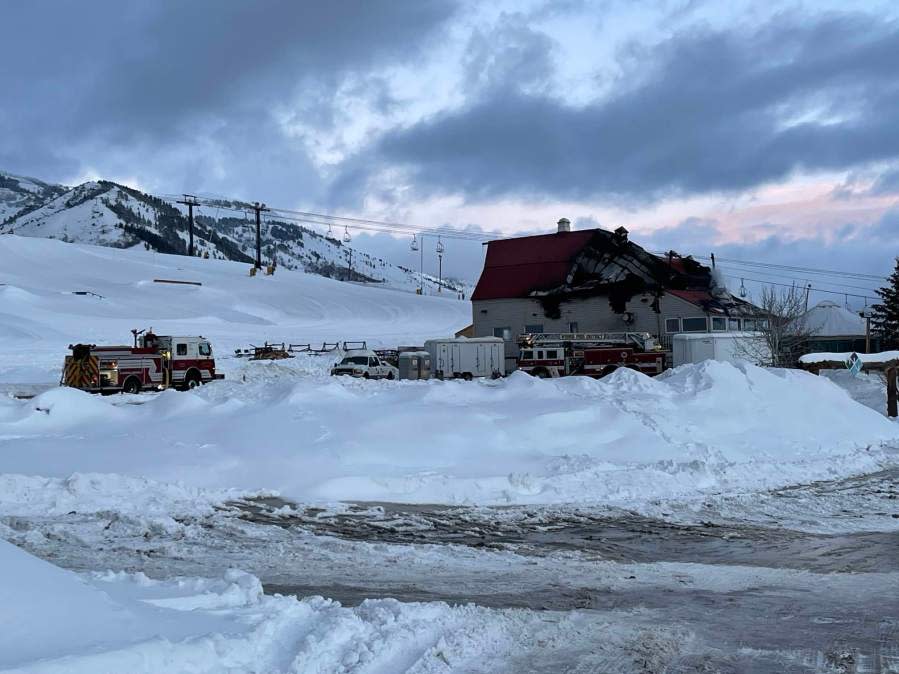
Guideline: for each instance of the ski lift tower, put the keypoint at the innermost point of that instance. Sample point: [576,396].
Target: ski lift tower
[440,250]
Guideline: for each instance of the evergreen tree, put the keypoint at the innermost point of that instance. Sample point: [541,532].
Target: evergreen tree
[885,316]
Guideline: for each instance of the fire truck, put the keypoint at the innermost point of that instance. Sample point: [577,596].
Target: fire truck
[155,362]
[594,354]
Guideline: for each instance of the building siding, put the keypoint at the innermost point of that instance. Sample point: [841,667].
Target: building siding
[592,314]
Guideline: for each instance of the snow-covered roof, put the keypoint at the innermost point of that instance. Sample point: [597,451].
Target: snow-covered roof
[842,357]
[829,319]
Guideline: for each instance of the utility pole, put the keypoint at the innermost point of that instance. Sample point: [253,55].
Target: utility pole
[259,208]
[421,266]
[190,201]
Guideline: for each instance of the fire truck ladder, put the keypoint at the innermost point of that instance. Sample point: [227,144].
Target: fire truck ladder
[638,339]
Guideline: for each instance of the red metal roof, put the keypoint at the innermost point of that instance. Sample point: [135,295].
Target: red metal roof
[696,297]
[515,267]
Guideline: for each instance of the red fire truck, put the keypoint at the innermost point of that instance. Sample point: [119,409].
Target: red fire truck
[154,362]
[594,354]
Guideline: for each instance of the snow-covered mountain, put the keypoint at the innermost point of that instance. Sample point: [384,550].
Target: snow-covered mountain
[19,195]
[108,214]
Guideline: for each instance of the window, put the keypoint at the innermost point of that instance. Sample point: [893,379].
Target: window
[719,323]
[181,349]
[763,325]
[527,355]
[749,324]
[733,324]
[505,333]
[354,360]
[696,324]
[572,326]
[205,349]
[533,328]
[552,354]
[672,325]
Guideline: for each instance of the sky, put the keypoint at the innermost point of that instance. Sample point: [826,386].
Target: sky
[757,131]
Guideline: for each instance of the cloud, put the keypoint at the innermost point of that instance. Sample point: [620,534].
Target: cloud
[703,111]
[203,88]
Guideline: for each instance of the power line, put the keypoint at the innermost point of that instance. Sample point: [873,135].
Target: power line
[794,278]
[810,287]
[379,226]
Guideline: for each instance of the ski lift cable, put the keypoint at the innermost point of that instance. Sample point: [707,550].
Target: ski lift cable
[448,232]
[736,272]
[790,285]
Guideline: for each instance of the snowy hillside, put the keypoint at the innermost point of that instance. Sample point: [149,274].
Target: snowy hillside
[40,314]
[108,214]
[20,195]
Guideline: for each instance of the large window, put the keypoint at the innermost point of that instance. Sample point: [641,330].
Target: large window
[695,324]
[533,328]
[505,333]
[672,325]
[750,324]
[552,354]
[719,323]
[205,349]
[181,349]
[733,324]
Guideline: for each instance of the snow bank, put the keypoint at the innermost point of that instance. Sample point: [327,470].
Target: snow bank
[624,440]
[57,622]
[31,496]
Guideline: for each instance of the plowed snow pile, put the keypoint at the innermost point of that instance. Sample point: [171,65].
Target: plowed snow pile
[56,622]
[625,439]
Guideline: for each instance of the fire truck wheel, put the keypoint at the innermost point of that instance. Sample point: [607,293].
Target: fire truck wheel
[132,385]
[467,376]
[192,380]
[540,373]
[607,370]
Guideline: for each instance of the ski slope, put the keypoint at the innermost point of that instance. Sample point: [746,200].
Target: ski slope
[40,316]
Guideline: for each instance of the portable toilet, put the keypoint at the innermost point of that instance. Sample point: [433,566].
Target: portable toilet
[410,364]
[424,364]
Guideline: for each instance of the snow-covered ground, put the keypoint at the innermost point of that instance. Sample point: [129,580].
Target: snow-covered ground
[148,484]
[40,315]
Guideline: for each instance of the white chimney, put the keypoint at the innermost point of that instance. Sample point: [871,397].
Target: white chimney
[564,225]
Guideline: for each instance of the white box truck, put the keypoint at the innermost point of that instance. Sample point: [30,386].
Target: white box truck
[465,358]
[728,347]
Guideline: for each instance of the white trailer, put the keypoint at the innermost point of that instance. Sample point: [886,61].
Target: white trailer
[728,347]
[467,358]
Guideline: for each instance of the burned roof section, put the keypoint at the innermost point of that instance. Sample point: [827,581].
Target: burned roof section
[553,268]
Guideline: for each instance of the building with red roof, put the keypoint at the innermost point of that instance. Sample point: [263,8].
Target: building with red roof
[597,281]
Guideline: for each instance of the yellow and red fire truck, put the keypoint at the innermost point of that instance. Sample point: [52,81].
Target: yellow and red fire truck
[155,362]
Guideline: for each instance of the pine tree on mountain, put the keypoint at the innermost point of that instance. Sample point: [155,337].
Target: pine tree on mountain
[885,316]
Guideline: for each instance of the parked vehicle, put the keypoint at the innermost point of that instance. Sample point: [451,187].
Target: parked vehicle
[548,355]
[728,347]
[154,362]
[463,358]
[366,364]
[414,365]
